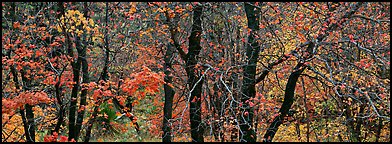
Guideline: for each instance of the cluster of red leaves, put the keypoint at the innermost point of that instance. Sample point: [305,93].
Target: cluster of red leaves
[151,82]
[31,98]
[100,90]
[7,106]
[56,138]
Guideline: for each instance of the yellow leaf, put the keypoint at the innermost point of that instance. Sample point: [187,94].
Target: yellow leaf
[132,10]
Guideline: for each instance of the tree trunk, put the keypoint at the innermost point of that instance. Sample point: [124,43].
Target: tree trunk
[288,101]
[248,88]
[74,94]
[169,95]
[29,131]
[30,122]
[62,110]
[105,73]
[379,128]
[57,85]
[86,80]
[195,82]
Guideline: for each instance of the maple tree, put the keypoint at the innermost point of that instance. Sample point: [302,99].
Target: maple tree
[195,71]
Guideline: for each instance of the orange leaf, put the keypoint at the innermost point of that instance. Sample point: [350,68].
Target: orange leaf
[16,25]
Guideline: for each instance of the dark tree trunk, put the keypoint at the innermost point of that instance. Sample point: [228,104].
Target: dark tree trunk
[25,120]
[62,110]
[288,101]
[194,81]
[105,73]
[29,108]
[379,128]
[74,94]
[248,88]
[76,69]
[86,79]
[60,119]
[30,121]
[169,94]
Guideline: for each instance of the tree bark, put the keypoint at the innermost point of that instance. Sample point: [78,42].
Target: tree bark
[57,85]
[62,109]
[86,78]
[195,82]
[74,95]
[247,133]
[379,128]
[288,101]
[169,95]
[169,92]
[105,73]
[29,108]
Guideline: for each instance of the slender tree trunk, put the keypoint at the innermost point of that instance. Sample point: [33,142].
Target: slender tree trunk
[379,128]
[194,81]
[62,110]
[74,95]
[105,73]
[60,120]
[30,121]
[29,108]
[26,124]
[288,101]
[86,80]
[247,133]
[169,94]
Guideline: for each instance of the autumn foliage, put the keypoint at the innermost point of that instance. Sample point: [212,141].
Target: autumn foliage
[196,71]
